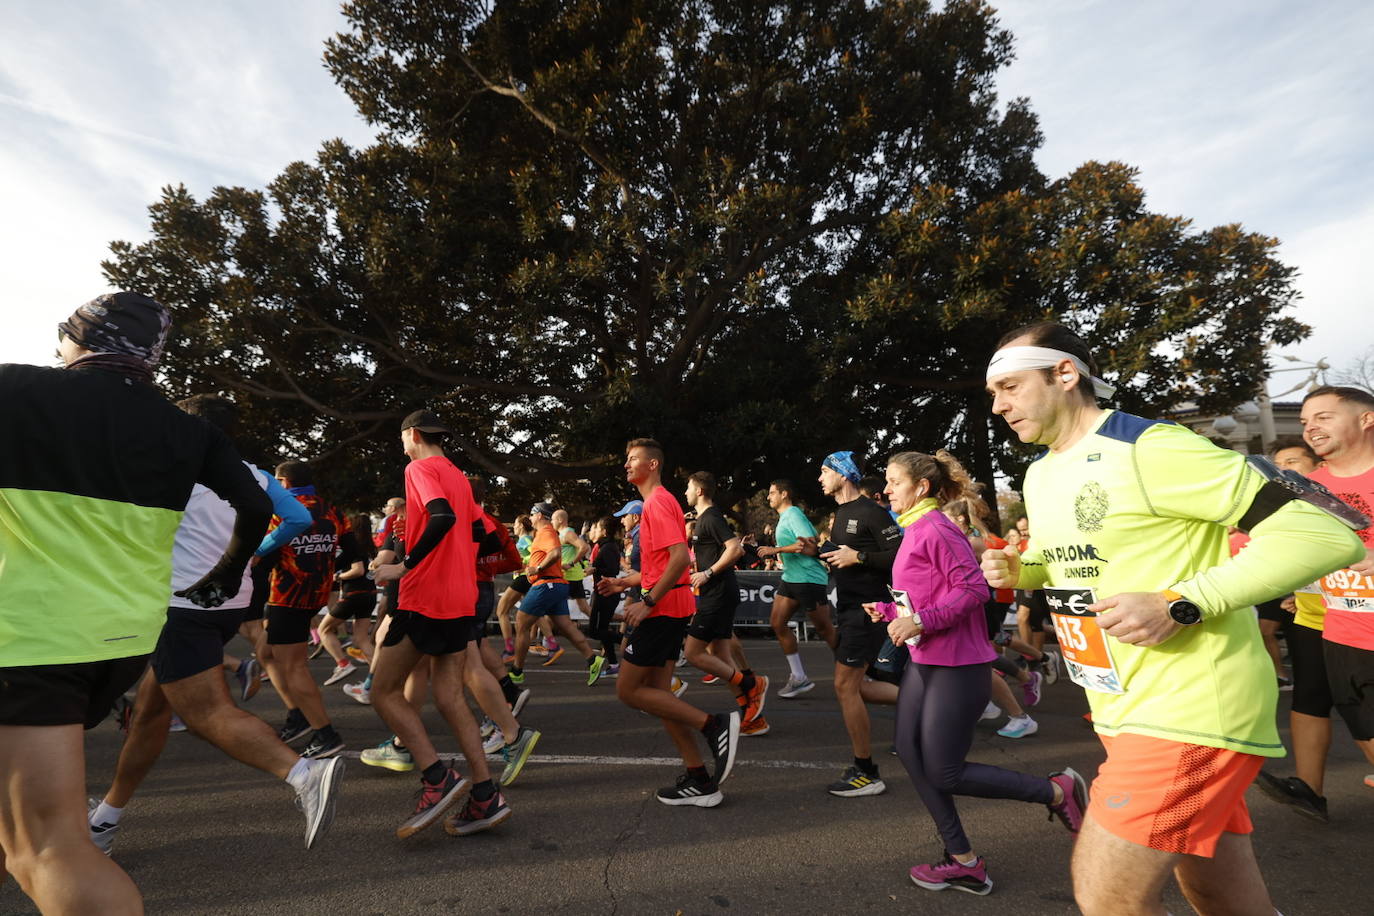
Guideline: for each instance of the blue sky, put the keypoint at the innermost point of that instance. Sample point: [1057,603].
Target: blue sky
[1250,112]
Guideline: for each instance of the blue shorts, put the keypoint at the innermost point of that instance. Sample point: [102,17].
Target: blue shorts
[549,598]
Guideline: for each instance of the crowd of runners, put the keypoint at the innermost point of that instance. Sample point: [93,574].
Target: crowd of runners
[136,543]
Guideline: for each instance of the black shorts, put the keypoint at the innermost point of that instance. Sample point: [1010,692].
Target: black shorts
[808,595]
[995,612]
[1273,610]
[715,616]
[287,626]
[1307,658]
[486,603]
[262,580]
[655,642]
[355,606]
[521,584]
[1350,672]
[192,640]
[890,663]
[1039,608]
[860,638]
[576,589]
[75,694]
[431,635]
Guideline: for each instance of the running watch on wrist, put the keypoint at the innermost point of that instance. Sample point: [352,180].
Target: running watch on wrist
[1183,611]
[649,600]
[860,557]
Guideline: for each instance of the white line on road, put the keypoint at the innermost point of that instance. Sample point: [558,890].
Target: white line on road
[596,760]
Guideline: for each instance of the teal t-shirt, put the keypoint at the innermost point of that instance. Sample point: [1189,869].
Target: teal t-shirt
[793,524]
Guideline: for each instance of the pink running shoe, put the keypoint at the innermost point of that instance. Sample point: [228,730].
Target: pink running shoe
[1030,691]
[947,874]
[1070,811]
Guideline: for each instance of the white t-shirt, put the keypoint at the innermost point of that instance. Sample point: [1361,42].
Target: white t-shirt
[201,540]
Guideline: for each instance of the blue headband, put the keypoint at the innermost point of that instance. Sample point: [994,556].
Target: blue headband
[842,463]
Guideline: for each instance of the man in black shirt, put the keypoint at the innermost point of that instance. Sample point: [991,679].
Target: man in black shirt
[864,541]
[709,636]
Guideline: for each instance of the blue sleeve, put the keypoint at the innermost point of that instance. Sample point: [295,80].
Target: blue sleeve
[295,518]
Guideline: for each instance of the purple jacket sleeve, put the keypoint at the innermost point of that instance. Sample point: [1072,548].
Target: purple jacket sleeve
[887,609]
[960,589]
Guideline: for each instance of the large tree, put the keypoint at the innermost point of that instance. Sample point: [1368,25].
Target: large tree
[757,231]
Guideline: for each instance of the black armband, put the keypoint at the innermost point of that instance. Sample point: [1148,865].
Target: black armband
[1282,487]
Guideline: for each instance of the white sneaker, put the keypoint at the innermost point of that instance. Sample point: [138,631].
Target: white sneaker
[679,686]
[102,835]
[315,796]
[1051,666]
[495,741]
[794,687]
[359,693]
[1019,727]
[340,672]
[989,712]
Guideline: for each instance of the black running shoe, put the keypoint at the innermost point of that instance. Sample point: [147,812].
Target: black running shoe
[1294,793]
[723,739]
[688,791]
[321,748]
[294,730]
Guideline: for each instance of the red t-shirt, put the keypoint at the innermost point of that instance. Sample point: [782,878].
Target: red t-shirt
[662,526]
[444,584]
[507,559]
[546,544]
[1352,628]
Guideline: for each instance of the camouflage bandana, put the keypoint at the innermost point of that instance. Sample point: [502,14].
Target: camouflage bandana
[124,331]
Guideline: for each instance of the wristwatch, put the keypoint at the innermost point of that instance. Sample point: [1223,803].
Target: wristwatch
[649,600]
[860,557]
[1183,611]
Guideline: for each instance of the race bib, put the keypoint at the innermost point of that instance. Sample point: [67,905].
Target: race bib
[1348,590]
[1081,642]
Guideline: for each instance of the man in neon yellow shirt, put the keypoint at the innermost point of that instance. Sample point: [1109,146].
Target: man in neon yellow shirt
[1154,619]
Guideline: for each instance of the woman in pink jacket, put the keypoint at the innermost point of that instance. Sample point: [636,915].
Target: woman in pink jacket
[938,592]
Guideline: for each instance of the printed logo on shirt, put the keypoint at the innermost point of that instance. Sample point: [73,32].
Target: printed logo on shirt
[1075,553]
[851,526]
[1095,456]
[1090,507]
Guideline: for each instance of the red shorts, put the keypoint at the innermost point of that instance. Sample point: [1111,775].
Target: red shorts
[1172,796]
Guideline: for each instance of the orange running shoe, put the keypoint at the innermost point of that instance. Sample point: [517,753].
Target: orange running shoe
[754,727]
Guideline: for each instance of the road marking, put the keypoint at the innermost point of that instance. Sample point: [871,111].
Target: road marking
[597,760]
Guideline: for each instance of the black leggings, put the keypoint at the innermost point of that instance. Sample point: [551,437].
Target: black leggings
[599,626]
[937,708]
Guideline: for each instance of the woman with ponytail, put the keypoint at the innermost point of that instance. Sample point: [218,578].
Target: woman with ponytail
[939,593]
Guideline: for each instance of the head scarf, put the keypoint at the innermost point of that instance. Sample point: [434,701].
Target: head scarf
[842,463]
[124,331]
[1016,359]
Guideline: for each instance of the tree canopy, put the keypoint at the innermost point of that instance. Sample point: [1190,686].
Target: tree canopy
[756,231]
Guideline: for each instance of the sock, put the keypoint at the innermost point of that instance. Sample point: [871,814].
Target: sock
[509,690]
[396,743]
[744,680]
[484,790]
[104,814]
[296,778]
[699,774]
[434,773]
[967,859]
[510,647]
[326,735]
[551,644]
[367,682]
[794,664]
[517,671]
[294,716]
[866,765]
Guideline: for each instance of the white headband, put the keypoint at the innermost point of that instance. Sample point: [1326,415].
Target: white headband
[1017,359]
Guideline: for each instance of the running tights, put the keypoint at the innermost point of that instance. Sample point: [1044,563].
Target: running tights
[599,627]
[937,709]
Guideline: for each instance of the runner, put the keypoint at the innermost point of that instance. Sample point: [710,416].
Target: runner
[435,620]
[717,549]
[659,618]
[606,555]
[576,558]
[96,470]
[803,587]
[1338,423]
[937,615]
[357,599]
[1163,640]
[299,589]
[864,542]
[185,673]
[518,588]
[548,596]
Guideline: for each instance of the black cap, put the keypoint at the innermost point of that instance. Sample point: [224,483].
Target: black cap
[426,422]
[129,324]
[545,509]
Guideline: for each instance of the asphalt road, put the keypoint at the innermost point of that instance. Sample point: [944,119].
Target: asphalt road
[209,836]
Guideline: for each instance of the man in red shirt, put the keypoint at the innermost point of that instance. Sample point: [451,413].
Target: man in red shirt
[435,616]
[659,621]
